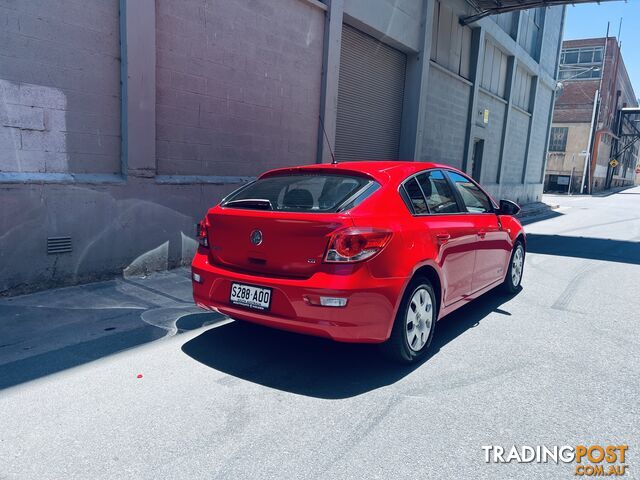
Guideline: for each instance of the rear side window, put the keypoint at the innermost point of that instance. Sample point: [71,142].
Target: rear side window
[474,199]
[414,194]
[440,197]
[297,193]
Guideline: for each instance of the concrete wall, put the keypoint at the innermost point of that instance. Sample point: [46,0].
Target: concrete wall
[539,134]
[516,149]
[60,87]
[551,36]
[560,163]
[394,22]
[238,85]
[491,133]
[446,118]
[130,228]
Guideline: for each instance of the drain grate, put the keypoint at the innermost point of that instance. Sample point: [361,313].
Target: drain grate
[56,245]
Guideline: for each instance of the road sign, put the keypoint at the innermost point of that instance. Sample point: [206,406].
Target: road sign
[614,163]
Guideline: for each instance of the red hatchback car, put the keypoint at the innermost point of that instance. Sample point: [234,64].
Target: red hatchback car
[358,252]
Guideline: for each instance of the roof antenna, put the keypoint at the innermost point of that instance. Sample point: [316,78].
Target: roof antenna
[326,137]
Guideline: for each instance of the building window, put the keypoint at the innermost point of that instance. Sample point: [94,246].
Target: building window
[580,63]
[583,55]
[494,70]
[451,47]
[574,73]
[558,140]
[521,94]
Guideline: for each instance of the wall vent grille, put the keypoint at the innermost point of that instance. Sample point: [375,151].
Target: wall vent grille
[56,245]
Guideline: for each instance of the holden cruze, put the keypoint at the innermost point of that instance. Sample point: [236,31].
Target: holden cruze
[357,252]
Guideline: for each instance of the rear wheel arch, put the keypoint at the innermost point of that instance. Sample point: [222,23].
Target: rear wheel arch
[414,321]
[522,239]
[432,275]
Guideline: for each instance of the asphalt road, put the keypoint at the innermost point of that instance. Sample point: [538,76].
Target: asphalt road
[556,364]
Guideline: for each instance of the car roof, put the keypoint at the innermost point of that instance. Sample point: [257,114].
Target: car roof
[381,170]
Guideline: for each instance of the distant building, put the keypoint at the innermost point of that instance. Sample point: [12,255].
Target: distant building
[589,123]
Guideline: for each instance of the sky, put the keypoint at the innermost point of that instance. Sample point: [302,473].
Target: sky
[590,20]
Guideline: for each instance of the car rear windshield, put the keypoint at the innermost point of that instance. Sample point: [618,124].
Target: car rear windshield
[298,193]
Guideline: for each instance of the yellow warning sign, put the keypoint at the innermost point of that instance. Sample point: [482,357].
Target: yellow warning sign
[614,163]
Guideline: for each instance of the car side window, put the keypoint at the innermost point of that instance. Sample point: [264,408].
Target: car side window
[415,196]
[440,197]
[474,199]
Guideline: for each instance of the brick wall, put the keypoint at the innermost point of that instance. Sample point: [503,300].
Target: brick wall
[446,118]
[59,86]
[238,85]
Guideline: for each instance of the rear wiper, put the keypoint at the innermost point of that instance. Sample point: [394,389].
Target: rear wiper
[253,203]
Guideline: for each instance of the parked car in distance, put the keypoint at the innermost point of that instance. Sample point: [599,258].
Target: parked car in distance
[369,251]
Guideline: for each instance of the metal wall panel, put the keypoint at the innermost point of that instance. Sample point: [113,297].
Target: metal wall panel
[370,96]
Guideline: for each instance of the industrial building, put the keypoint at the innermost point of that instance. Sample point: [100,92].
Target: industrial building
[593,144]
[121,122]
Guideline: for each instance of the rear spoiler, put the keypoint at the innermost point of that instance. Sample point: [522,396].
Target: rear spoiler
[325,169]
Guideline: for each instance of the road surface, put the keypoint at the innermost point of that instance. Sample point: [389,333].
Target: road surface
[125,379]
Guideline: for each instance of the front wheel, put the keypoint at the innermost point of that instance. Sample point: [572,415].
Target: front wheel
[414,324]
[516,266]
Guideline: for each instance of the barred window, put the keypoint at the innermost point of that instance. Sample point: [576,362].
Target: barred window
[558,140]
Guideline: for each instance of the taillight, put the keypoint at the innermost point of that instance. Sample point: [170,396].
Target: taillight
[354,244]
[201,234]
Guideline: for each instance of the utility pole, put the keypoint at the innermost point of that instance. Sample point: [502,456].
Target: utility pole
[587,158]
[573,167]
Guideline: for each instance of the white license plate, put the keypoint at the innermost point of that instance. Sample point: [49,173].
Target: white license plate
[249,296]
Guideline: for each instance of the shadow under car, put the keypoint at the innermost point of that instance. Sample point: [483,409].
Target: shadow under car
[318,367]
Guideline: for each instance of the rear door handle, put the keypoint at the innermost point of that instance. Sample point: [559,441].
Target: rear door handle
[443,238]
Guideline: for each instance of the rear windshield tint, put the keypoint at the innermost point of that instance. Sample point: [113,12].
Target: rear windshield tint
[297,193]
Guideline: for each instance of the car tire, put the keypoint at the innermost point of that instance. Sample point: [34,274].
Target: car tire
[409,342]
[513,278]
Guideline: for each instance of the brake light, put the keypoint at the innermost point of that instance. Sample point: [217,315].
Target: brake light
[354,244]
[201,234]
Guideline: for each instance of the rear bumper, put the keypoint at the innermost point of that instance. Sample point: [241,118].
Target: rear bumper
[367,317]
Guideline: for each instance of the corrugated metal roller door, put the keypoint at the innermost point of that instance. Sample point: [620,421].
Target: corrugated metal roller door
[370,95]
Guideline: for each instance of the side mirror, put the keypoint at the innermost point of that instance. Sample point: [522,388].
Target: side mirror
[507,207]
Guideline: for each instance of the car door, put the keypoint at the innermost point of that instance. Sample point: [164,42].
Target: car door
[493,245]
[439,214]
